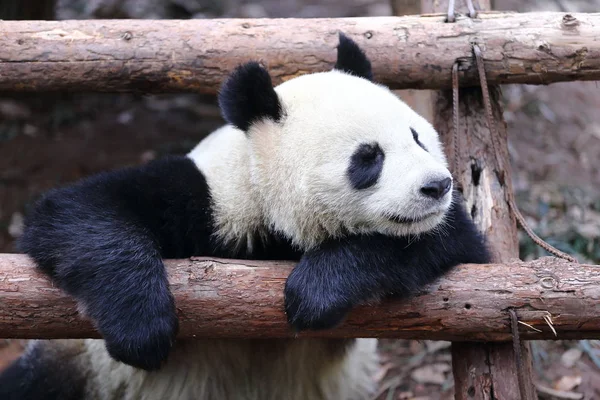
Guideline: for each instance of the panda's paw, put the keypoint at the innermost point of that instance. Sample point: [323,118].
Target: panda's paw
[311,304]
[143,343]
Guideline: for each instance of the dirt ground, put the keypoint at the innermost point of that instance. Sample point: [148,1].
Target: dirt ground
[554,137]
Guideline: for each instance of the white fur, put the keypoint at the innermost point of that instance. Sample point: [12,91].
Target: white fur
[223,159]
[287,369]
[291,175]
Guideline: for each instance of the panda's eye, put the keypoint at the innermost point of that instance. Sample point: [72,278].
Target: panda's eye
[416,138]
[365,166]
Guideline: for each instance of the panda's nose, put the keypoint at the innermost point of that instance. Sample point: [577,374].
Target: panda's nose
[436,189]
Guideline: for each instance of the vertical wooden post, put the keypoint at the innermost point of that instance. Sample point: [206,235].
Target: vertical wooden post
[482,371]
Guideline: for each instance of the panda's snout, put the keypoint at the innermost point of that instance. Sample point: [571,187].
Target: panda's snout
[437,188]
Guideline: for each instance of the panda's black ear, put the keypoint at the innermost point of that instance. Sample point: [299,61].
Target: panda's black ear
[248,96]
[352,60]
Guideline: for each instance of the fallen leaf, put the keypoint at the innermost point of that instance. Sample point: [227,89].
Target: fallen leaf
[14,110]
[383,370]
[435,345]
[570,357]
[434,373]
[17,225]
[405,396]
[568,383]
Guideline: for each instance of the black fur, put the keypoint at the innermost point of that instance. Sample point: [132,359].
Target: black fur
[247,96]
[39,375]
[103,239]
[340,274]
[365,166]
[417,141]
[351,59]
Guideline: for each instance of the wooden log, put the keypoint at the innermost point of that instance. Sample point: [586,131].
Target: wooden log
[419,100]
[244,299]
[483,371]
[196,55]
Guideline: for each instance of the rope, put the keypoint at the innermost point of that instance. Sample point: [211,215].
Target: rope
[472,12]
[514,324]
[451,17]
[500,171]
[510,199]
[455,118]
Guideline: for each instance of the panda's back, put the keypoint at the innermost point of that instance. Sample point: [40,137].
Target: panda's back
[223,158]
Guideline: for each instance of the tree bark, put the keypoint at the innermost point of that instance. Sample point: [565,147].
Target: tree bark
[244,299]
[485,371]
[196,55]
[419,100]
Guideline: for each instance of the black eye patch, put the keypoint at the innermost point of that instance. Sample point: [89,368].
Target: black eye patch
[416,137]
[365,166]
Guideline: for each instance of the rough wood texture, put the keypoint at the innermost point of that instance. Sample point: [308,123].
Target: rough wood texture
[243,299]
[484,193]
[419,100]
[482,188]
[484,371]
[487,372]
[196,55]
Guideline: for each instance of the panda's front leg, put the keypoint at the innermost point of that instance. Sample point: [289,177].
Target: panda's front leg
[342,273]
[330,280]
[102,240]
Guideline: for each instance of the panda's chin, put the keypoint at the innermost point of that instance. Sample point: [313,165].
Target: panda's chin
[400,226]
[413,220]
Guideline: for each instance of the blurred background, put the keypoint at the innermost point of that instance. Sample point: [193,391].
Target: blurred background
[554,140]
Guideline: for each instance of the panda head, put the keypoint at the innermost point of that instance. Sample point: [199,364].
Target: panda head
[333,153]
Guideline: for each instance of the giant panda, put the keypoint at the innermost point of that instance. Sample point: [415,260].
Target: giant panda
[329,169]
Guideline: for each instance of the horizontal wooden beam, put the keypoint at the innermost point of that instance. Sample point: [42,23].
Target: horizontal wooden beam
[244,299]
[196,55]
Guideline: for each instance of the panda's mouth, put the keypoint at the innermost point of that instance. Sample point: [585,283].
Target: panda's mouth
[411,220]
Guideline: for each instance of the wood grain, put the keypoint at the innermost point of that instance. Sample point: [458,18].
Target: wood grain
[484,370]
[196,55]
[244,299]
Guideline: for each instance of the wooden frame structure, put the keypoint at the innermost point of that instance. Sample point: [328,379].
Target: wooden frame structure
[410,52]
[244,299]
[558,299]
